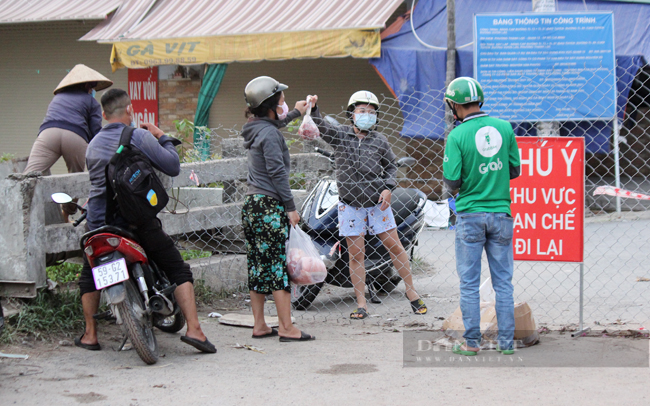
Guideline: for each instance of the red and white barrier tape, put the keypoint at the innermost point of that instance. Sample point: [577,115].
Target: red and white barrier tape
[614,191]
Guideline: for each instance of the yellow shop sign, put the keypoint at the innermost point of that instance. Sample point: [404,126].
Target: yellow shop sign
[249,47]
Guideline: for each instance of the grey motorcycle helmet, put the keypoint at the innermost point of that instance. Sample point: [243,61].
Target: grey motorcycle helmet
[260,89]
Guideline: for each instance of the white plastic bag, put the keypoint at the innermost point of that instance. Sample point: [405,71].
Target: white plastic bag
[303,261]
[308,129]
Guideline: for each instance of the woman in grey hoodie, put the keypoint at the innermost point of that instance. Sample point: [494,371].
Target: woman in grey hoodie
[269,207]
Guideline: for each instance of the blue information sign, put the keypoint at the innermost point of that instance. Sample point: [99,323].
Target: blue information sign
[546,66]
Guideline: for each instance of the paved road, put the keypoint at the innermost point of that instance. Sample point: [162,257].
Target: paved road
[355,364]
[616,254]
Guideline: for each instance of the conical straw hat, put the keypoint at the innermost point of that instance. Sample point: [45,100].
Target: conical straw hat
[83,74]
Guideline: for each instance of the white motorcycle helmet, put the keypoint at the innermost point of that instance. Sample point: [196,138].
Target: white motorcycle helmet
[362,97]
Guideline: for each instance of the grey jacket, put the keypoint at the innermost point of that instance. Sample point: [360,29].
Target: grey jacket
[269,162]
[101,149]
[364,167]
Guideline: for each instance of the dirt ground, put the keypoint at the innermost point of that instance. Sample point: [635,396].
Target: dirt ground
[349,363]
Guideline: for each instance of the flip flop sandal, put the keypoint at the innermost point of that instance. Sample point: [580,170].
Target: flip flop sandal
[505,352]
[203,346]
[303,337]
[456,349]
[89,347]
[419,307]
[273,333]
[360,310]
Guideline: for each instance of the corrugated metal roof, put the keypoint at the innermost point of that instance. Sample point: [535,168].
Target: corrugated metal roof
[128,15]
[27,11]
[200,18]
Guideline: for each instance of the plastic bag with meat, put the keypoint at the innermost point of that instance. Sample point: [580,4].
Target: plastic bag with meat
[303,261]
[308,129]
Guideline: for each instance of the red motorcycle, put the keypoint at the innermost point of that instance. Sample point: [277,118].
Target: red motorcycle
[138,294]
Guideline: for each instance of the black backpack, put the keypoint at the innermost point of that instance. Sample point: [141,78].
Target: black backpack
[132,187]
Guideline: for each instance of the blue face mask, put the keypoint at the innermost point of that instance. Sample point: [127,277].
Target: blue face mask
[93,93]
[365,121]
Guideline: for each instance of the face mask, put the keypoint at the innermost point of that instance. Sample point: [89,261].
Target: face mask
[285,111]
[93,93]
[364,121]
[130,111]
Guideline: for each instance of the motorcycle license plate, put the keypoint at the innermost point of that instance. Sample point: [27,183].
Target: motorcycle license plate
[110,273]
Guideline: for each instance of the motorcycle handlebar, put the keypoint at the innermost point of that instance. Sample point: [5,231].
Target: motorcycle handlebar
[323,152]
[80,219]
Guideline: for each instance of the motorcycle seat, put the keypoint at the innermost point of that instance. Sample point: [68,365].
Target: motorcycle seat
[404,202]
[108,229]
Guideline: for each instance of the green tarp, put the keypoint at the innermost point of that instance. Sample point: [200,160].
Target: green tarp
[209,89]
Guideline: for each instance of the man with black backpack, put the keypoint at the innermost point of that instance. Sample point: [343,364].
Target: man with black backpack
[151,146]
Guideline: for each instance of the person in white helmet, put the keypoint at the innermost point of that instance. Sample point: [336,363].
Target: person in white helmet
[365,177]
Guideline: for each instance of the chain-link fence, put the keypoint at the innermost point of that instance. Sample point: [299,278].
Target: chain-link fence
[617,230]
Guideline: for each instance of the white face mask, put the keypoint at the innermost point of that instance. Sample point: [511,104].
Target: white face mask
[285,111]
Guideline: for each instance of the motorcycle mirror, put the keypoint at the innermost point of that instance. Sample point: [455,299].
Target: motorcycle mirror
[406,161]
[61,198]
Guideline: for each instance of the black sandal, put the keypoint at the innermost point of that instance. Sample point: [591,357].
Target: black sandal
[360,310]
[203,346]
[303,337]
[273,333]
[89,347]
[418,306]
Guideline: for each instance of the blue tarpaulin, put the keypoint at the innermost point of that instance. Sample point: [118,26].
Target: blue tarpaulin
[416,73]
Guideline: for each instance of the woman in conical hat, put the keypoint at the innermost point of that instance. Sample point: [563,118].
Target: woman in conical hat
[72,120]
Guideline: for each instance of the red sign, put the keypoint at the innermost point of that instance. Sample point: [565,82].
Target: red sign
[143,91]
[548,200]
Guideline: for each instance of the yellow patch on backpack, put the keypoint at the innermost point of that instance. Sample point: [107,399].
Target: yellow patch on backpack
[152,197]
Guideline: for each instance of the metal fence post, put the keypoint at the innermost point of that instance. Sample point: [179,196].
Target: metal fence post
[546,128]
[617,163]
[451,60]
[581,328]
[450,75]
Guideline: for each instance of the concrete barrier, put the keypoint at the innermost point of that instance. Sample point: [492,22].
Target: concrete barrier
[26,238]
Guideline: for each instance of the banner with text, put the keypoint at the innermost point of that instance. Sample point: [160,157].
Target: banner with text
[548,200]
[277,46]
[555,66]
[143,91]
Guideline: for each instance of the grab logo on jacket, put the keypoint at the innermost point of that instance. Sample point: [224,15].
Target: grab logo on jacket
[488,141]
[492,166]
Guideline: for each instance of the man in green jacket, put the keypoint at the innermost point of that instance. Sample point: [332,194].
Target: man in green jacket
[481,157]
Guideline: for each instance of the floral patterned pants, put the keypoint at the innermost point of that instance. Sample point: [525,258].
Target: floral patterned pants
[266,228]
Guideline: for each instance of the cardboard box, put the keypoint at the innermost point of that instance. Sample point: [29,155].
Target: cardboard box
[525,328]
[453,325]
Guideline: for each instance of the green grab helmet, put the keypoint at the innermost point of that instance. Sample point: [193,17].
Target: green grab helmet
[464,90]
